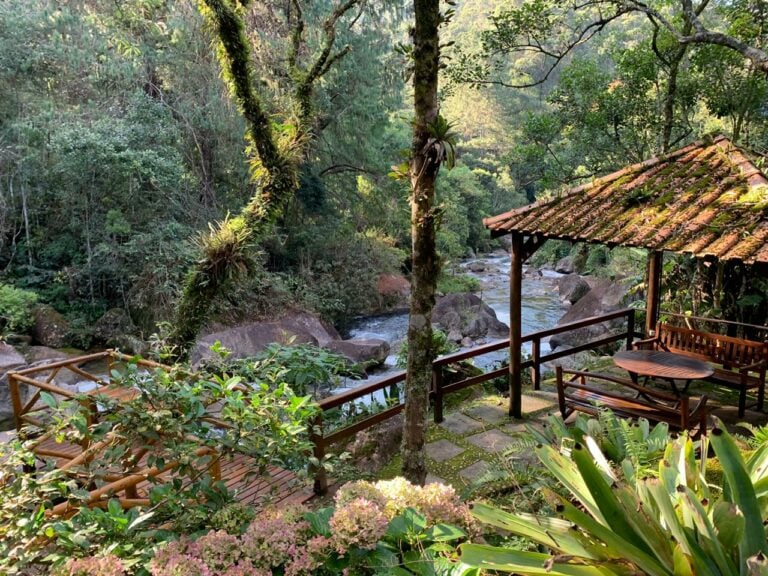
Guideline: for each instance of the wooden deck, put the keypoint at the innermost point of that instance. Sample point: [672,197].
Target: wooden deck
[132,485]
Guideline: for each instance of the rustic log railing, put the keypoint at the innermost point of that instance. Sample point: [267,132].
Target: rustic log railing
[439,390]
[130,485]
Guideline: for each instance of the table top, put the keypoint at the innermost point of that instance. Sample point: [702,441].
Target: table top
[662,364]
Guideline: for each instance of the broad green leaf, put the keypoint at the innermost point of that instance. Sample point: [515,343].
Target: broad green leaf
[525,563]
[603,494]
[552,532]
[566,473]
[444,533]
[729,523]
[48,399]
[741,491]
[615,545]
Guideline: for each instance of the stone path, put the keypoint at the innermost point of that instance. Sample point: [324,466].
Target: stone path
[478,439]
[478,442]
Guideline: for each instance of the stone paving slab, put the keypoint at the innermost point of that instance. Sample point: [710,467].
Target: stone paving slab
[432,479]
[513,428]
[493,414]
[534,404]
[491,441]
[443,450]
[475,471]
[460,424]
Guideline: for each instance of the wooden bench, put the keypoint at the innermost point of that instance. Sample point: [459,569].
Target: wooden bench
[586,392]
[738,363]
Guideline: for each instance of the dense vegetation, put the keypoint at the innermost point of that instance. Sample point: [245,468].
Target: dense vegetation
[119,143]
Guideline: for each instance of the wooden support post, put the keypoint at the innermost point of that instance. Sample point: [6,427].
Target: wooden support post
[654,291]
[536,368]
[13,386]
[630,329]
[515,331]
[316,436]
[437,389]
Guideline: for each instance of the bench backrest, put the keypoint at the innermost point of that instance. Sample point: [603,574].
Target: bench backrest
[728,351]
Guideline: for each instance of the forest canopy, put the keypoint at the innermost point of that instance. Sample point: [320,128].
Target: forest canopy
[120,144]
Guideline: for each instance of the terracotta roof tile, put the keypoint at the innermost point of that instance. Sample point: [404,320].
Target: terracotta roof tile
[706,199]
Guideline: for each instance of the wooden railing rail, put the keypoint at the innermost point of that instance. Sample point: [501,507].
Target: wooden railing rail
[43,379]
[439,390]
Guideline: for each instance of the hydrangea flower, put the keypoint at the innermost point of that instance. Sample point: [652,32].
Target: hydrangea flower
[106,565]
[359,523]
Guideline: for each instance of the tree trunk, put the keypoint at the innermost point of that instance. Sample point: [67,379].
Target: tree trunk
[424,166]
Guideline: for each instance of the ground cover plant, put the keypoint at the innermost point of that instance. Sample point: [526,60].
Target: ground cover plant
[166,425]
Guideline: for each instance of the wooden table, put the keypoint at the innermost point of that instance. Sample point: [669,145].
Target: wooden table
[664,365]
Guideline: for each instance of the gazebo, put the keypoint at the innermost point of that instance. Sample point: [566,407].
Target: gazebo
[708,199]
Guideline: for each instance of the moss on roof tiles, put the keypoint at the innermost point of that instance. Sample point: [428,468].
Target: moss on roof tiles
[659,204]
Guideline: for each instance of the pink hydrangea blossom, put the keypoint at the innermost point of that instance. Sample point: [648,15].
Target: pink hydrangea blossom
[359,523]
[106,565]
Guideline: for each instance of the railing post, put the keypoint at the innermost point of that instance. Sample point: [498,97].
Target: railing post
[318,451]
[630,328]
[536,368]
[437,389]
[13,386]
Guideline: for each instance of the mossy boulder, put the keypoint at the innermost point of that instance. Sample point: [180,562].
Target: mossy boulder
[49,327]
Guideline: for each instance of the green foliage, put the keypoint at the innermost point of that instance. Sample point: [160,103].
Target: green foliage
[635,448]
[627,526]
[15,308]
[440,345]
[454,283]
[265,420]
[306,368]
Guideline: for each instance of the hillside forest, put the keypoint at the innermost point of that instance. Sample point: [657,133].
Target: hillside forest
[121,148]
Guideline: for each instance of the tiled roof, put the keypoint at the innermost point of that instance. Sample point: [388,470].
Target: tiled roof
[708,199]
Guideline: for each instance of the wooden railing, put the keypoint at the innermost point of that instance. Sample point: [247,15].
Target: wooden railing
[45,379]
[439,390]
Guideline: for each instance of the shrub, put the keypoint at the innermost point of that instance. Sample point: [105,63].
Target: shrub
[384,527]
[453,283]
[15,308]
[440,344]
[674,524]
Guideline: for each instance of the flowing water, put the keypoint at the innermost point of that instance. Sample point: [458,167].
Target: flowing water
[541,309]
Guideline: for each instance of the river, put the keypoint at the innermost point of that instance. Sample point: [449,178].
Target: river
[541,309]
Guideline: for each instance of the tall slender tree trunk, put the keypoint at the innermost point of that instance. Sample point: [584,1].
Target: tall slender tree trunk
[424,166]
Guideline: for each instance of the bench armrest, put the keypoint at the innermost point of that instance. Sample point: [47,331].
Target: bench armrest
[646,343]
[756,367]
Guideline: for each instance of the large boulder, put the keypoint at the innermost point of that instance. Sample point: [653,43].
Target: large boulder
[112,325]
[10,360]
[572,288]
[393,292]
[468,316]
[250,339]
[605,297]
[49,327]
[565,265]
[367,351]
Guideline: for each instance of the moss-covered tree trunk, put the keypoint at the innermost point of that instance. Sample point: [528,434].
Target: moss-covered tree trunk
[424,166]
[274,161]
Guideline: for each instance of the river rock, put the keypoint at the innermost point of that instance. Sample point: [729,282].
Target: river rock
[250,339]
[369,351]
[49,327]
[112,325]
[468,315]
[477,266]
[572,288]
[393,291]
[605,297]
[565,265]
[10,360]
